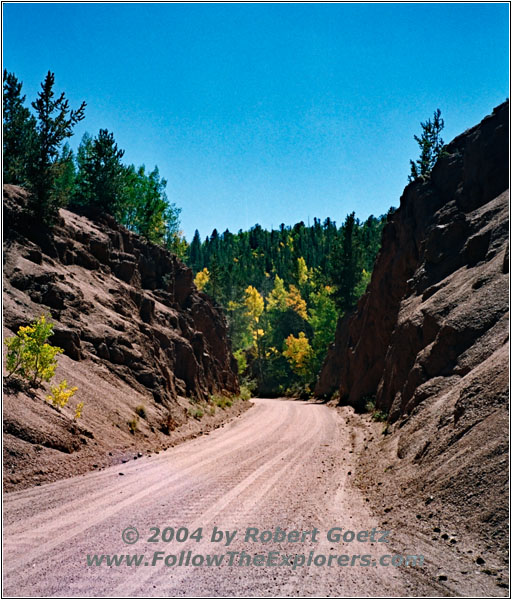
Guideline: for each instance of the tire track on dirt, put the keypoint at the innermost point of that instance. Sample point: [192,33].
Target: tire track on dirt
[62,516]
[16,545]
[251,487]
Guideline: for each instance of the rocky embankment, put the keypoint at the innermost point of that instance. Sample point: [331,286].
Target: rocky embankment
[428,345]
[136,333]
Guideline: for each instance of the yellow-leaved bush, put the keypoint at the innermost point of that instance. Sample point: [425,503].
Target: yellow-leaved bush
[60,394]
[31,357]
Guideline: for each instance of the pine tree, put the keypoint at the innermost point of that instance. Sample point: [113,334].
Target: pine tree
[431,147]
[55,122]
[100,177]
[19,133]
[346,266]
[196,253]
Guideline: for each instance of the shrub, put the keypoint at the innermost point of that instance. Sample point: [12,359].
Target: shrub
[245,393]
[60,394]
[379,415]
[78,410]
[369,403]
[168,424]
[221,401]
[141,411]
[196,413]
[247,388]
[370,406]
[29,355]
[132,424]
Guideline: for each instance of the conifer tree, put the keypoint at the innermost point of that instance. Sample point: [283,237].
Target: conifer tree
[345,266]
[100,178]
[196,252]
[431,147]
[19,132]
[55,122]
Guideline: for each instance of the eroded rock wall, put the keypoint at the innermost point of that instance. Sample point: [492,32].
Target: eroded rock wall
[116,298]
[145,348]
[437,304]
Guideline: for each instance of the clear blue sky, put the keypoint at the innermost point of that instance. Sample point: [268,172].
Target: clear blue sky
[267,113]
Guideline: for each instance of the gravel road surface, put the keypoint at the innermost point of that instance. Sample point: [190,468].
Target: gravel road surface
[283,464]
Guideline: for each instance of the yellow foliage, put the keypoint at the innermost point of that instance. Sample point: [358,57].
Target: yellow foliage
[60,394]
[29,355]
[271,352]
[78,410]
[302,271]
[299,353]
[202,278]
[257,333]
[277,297]
[295,301]
[253,303]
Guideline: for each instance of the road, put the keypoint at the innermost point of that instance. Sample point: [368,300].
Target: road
[283,463]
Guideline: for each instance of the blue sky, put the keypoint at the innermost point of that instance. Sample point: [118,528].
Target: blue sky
[267,113]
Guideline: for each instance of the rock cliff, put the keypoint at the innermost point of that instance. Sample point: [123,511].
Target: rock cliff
[437,305]
[428,345]
[134,328]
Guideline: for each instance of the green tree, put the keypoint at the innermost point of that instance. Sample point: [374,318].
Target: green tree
[239,324]
[19,133]
[195,253]
[431,147]
[100,178]
[214,284]
[145,209]
[55,122]
[323,320]
[65,176]
[174,239]
[345,269]
[277,299]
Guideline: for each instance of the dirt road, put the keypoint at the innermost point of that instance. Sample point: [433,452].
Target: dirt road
[282,464]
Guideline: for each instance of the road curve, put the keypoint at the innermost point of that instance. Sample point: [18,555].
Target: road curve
[283,463]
